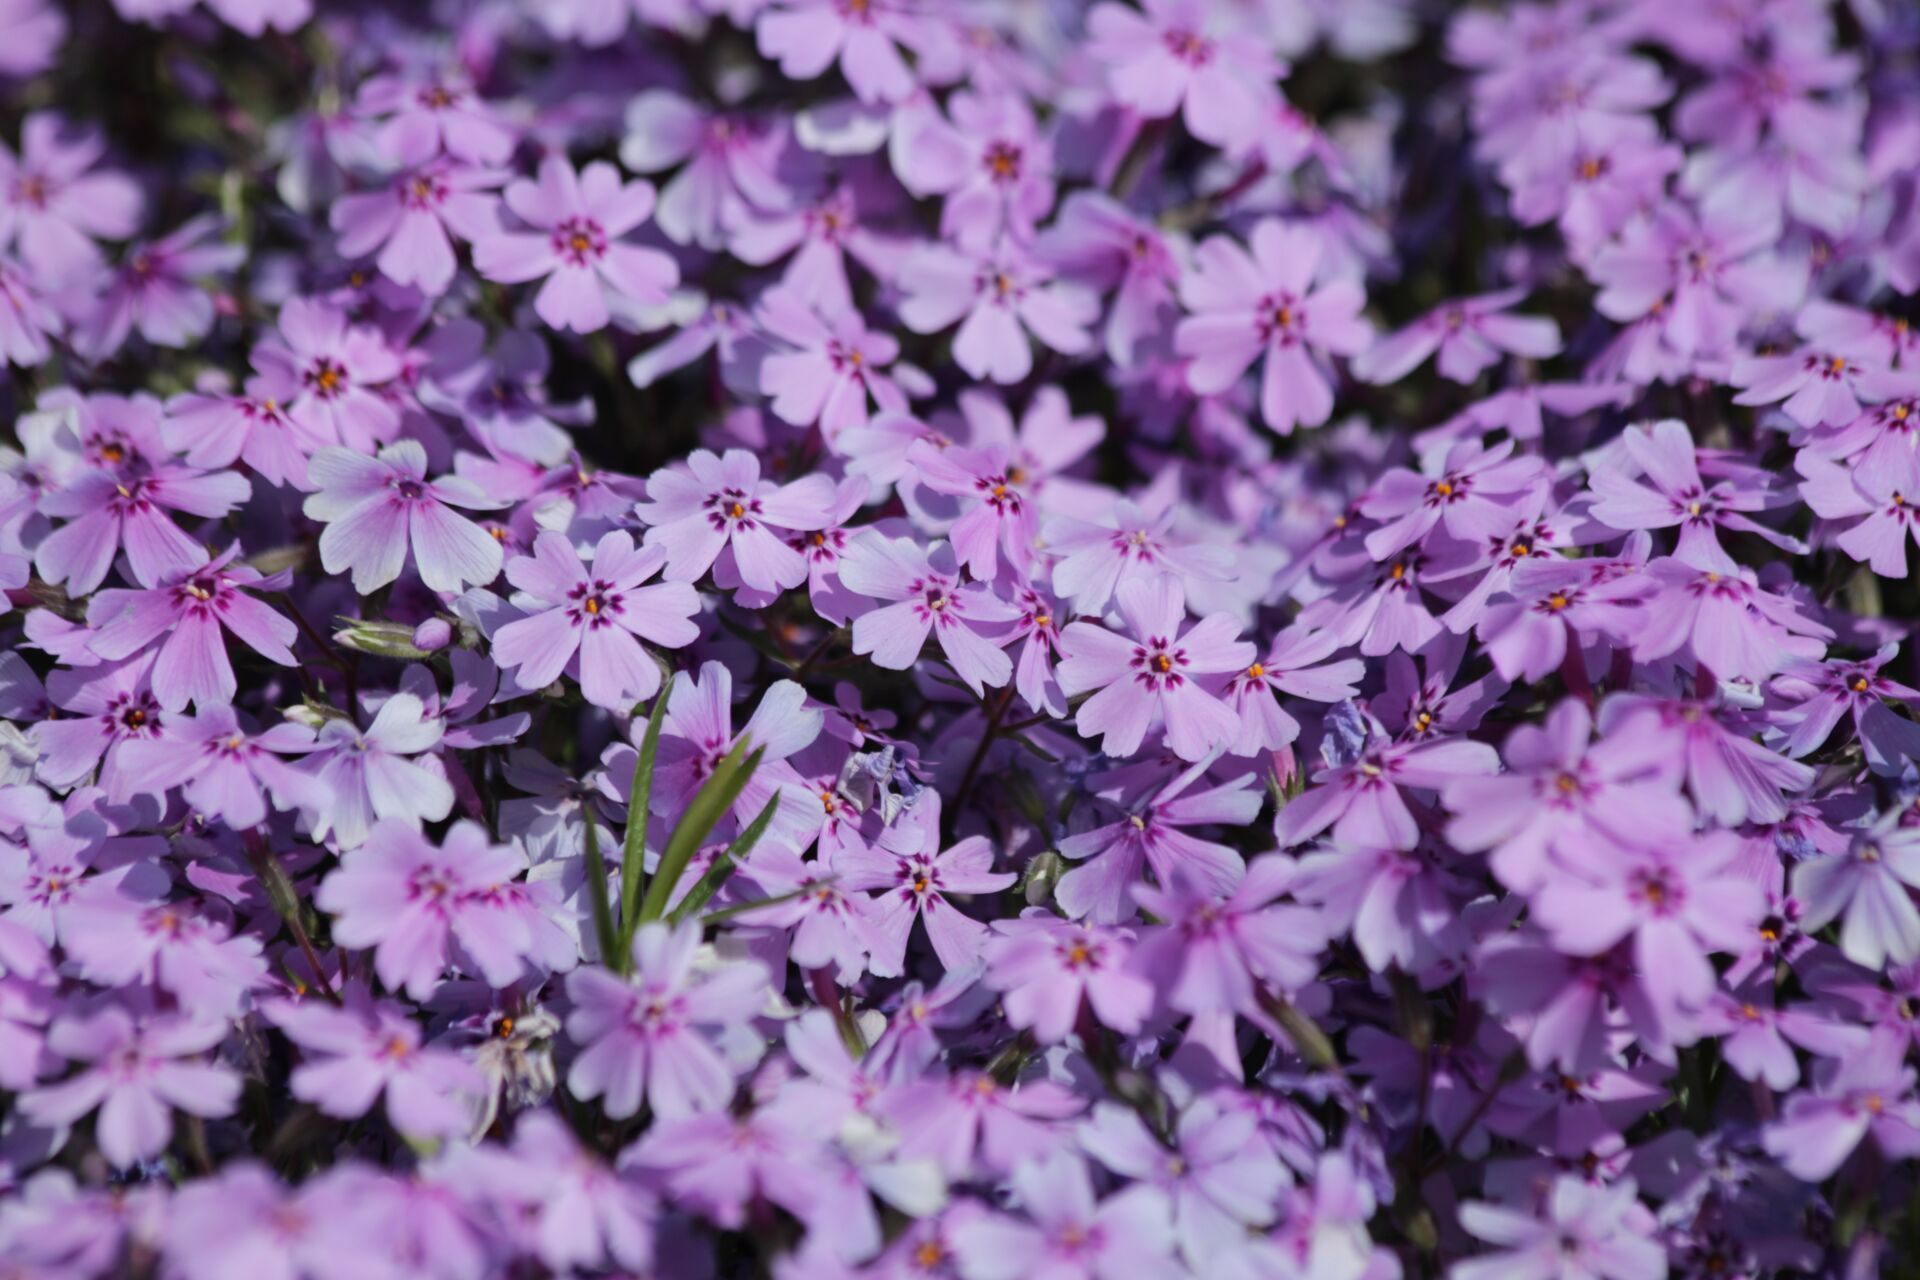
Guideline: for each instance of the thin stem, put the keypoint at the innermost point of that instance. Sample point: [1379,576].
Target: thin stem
[280,892]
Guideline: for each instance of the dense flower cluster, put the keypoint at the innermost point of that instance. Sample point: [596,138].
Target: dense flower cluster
[1247,639]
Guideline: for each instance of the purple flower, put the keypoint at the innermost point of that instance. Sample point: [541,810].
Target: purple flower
[411,217]
[435,114]
[1582,1229]
[997,511]
[835,365]
[592,618]
[1050,969]
[1362,801]
[651,1039]
[138,1075]
[1181,52]
[916,875]
[1472,491]
[1211,952]
[1097,237]
[698,733]
[1115,853]
[156,291]
[1861,1094]
[369,775]
[998,295]
[1823,692]
[110,512]
[1674,494]
[1879,496]
[1092,560]
[422,909]
[729,166]
[717,511]
[223,770]
[577,246]
[54,204]
[1730,625]
[1267,303]
[1732,777]
[190,608]
[1470,334]
[991,163]
[355,1054]
[806,37]
[1867,888]
[1066,1234]
[338,370]
[925,584]
[1293,665]
[1151,678]
[215,430]
[111,704]
[378,509]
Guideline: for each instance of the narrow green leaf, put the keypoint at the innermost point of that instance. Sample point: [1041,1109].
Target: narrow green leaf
[741,908]
[611,953]
[633,853]
[723,865]
[713,799]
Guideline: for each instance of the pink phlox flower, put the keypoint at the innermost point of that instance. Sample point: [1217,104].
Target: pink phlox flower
[113,511]
[1868,889]
[353,1055]
[593,619]
[970,1123]
[731,166]
[1151,677]
[1212,952]
[1880,496]
[998,515]
[157,291]
[1097,238]
[439,113]
[1470,334]
[697,734]
[216,428]
[376,773]
[992,163]
[1038,629]
[1363,801]
[864,36]
[834,366]
[1092,559]
[1420,700]
[223,769]
[820,237]
[1049,969]
[1732,777]
[576,244]
[1861,1095]
[1184,56]
[1557,783]
[1821,693]
[378,510]
[1472,491]
[338,369]
[111,704]
[137,1075]
[659,1037]
[969,621]
[1113,854]
[54,202]
[1294,665]
[1066,1234]
[191,609]
[1277,302]
[66,864]
[1582,1228]
[998,295]
[1550,604]
[719,1165]
[1726,620]
[422,909]
[915,875]
[409,219]
[1670,491]
[716,510]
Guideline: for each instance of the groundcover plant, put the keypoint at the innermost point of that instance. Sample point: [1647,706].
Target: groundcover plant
[998,639]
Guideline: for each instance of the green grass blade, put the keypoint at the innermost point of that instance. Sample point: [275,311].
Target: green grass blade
[705,810]
[735,853]
[633,853]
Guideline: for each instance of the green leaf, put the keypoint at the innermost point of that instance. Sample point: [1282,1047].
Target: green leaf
[713,799]
[612,954]
[633,853]
[741,908]
[735,853]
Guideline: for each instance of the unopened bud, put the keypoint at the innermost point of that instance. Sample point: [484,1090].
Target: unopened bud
[381,639]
